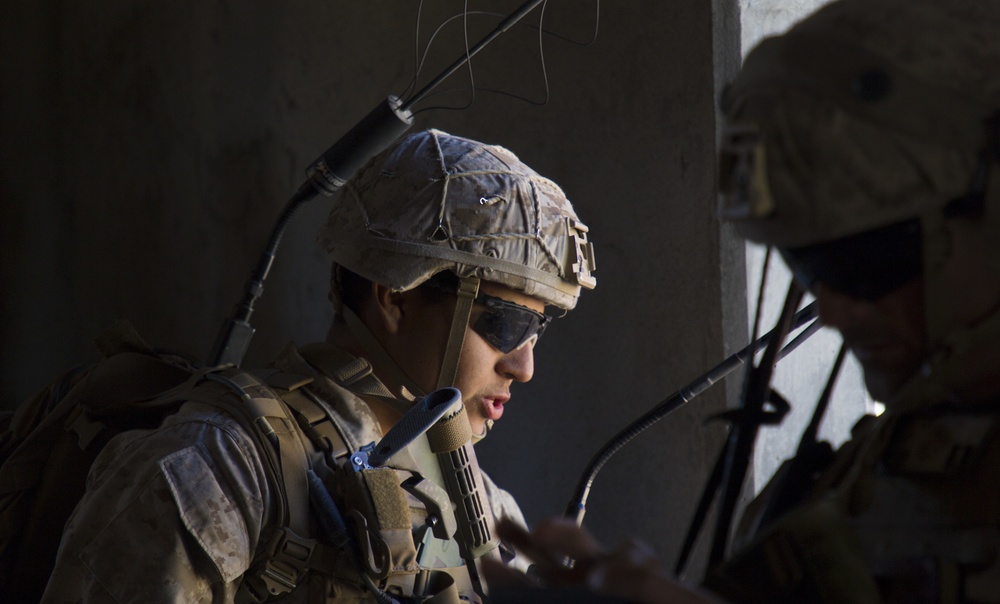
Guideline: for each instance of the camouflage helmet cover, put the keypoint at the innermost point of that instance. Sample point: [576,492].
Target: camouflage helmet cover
[433,202]
[867,113]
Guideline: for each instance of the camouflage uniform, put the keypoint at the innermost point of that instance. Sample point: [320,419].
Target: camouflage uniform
[867,115]
[181,512]
[909,511]
[177,514]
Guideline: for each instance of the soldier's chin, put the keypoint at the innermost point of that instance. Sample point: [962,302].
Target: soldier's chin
[883,385]
[483,430]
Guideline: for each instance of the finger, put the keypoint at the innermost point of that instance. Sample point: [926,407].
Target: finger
[497,573]
[562,535]
[510,531]
[549,555]
[636,554]
[529,546]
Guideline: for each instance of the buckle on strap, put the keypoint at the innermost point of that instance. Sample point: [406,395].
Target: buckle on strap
[289,558]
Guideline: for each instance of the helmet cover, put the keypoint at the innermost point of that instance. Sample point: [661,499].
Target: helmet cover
[433,202]
[866,113]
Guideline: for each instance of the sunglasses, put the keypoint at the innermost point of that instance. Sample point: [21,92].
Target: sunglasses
[508,326]
[866,266]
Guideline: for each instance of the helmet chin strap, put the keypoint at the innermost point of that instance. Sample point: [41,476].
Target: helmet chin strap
[938,303]
[468,289]
[925,386]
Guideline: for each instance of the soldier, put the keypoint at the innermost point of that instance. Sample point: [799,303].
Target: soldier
[864,144]
[445,253]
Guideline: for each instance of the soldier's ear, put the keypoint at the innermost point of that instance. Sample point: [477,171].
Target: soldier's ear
[390,307]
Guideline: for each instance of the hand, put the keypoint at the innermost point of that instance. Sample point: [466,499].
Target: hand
[631,571]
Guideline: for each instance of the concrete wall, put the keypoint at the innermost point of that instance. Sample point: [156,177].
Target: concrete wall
[147,148]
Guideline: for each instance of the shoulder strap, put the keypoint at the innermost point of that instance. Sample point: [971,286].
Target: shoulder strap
[355,374]
[290,552]
[283,401]
[272,418]
[312,414]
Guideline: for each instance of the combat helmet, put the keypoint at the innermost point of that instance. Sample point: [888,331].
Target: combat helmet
[864,127]
[435,202]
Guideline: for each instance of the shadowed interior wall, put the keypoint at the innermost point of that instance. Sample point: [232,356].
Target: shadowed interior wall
[147,148]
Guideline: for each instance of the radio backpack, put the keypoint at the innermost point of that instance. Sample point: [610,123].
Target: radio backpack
[49,443]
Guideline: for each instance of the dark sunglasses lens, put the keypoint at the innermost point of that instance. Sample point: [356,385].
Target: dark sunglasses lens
[866,266]
[508,327]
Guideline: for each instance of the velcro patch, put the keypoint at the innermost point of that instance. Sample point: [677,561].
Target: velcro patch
[208,513]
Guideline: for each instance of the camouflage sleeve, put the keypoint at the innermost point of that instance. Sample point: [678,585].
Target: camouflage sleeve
[505,506]
[170,515]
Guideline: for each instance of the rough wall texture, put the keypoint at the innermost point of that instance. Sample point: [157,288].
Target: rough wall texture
[148,147]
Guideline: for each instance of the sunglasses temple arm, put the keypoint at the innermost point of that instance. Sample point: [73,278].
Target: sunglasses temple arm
[577,506]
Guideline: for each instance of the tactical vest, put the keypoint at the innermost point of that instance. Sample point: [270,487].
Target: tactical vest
[909,511]
[401,521]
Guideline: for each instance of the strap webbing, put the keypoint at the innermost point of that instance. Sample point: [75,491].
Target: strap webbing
[353,373]
[271,415]
[322,431]
[408,389]
[468,289]
[499,265]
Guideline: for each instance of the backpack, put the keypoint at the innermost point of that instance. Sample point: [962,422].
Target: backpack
[49,443]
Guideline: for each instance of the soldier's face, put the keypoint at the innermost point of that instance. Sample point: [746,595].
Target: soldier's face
[485,373]
[886,335]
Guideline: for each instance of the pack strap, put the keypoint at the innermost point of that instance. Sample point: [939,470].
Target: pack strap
[318,426]
[272,418]
[291,553]
[408,389]
[293,374]
[319,422]
[356,373]
[289,558]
